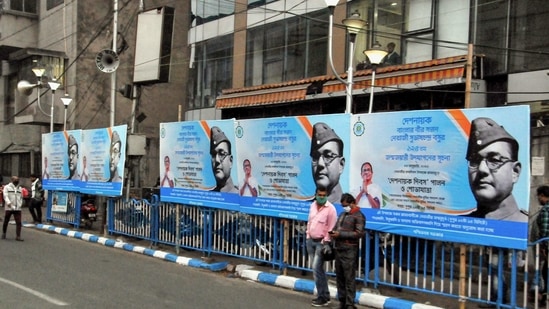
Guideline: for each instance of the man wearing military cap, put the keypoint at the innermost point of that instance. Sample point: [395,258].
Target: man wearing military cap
[72,153]
[327,160]
[222,161]
[492,156]
[114,158]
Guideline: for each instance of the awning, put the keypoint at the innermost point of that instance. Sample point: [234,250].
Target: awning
[414,73]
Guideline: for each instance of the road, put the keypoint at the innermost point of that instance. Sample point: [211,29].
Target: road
[51,271]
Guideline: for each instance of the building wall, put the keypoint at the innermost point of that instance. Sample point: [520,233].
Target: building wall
[81,29]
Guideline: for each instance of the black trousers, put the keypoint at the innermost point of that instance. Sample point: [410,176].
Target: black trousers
[35,209]
[7,216]
[345,268]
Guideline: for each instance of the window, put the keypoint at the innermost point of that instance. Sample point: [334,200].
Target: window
[5,165]
[289,49]
[208,10]
[529,22]
[50,4]
[25,6]
[24,164]
[212,72]
[256,3]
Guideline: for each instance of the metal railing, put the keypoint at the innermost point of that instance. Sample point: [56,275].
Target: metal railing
[507,278]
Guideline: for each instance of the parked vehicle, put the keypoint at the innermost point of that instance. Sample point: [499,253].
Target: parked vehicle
[88,213]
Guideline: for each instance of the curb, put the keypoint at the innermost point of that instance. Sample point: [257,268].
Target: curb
[305,285]
[243,271]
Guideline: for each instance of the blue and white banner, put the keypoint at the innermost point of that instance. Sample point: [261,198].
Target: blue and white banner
[61,160]
[196,163]
[427,164]
[287,158]
[103,160]
[449,175]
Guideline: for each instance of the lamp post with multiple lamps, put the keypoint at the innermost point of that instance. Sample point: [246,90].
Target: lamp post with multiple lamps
[353,24]
[53,86]
[25,88]
[66,101]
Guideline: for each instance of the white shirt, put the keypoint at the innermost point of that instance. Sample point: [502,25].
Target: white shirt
[374,190]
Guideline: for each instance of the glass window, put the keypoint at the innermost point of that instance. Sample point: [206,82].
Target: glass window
[491,26]
[419,48]
[528,36]
[256,3]
[290,49]
[212,72]
[5,163]
[418,15]
[274,53]
[317,44]
[385,22]
[209,10]
[24,164]
[50,4]
[27,6]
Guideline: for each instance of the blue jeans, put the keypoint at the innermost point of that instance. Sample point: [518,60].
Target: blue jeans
[319,275]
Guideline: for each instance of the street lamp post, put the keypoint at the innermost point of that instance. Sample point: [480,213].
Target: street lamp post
[66,101]
[39,72]
[375,55]
[353,24]
[53,86]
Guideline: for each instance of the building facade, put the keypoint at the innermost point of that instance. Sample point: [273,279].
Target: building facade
[269,58]
[64,38]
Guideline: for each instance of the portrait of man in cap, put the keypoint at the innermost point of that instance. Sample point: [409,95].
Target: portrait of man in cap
[115,148]
[327,160]
[493,169]
[222,161]
[72,152]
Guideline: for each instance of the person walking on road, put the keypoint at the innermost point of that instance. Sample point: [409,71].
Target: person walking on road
[37,198]
[543,230]
[348,231]
[322,219]
[13,200]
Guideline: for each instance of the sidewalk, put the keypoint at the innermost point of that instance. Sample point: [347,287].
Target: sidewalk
[235,267]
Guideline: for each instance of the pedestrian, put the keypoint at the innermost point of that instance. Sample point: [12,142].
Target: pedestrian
[348,231]
[322,219]
[37,198]
[543,231]
[13,200]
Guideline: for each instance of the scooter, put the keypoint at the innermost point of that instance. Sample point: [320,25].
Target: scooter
[88,213]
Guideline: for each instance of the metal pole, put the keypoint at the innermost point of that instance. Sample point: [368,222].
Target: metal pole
[349,84]
[65,120]
[51,110]
[113,74]
[372,89]
[113,95]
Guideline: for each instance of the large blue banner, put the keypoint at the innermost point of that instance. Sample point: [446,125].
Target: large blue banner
[283,160]
[449,175]
[455,175]
[61,161]
[103,160]
[196,163]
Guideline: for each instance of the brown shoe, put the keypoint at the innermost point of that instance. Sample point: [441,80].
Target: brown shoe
[19,239]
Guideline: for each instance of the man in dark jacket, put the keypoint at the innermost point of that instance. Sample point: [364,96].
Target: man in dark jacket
[348,231]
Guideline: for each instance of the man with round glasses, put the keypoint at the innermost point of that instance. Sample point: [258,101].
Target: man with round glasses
[327,160]
[493,166]
[222,161]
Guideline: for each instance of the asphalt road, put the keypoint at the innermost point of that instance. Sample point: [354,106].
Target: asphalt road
[50,271]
